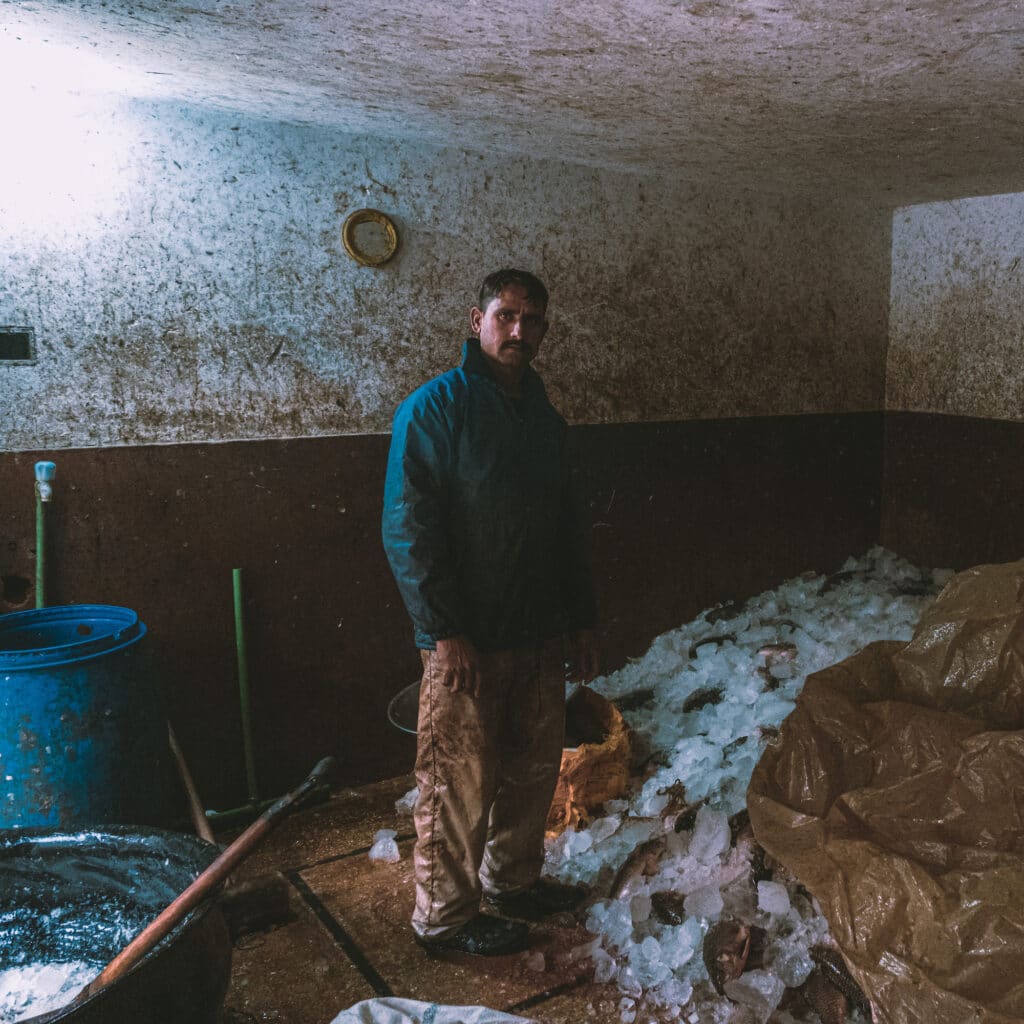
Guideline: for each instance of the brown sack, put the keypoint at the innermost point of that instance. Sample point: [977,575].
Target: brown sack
[895,793]
[595,761]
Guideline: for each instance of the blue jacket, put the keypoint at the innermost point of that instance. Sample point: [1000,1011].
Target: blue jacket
[481,525]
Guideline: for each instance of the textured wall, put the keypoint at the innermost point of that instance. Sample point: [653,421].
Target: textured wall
[957,308]
[184,273]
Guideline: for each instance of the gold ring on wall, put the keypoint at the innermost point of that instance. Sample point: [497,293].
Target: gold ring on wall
[369,255]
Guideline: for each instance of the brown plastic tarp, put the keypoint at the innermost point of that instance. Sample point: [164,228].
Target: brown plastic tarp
[895,794]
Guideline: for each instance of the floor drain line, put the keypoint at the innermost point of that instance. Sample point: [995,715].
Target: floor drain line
[340,936]
[362,851]
[551,993]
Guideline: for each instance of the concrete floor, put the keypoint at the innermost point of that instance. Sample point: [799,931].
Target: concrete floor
[338,930]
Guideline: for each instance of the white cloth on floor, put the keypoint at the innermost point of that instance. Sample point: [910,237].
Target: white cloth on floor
[411,1011]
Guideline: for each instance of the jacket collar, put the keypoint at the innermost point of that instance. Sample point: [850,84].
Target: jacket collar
[473,361]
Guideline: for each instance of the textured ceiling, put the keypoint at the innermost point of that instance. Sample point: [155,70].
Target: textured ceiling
[897,100]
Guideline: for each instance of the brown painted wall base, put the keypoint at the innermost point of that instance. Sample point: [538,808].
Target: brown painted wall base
[953,489]
[687,515]
[684,515]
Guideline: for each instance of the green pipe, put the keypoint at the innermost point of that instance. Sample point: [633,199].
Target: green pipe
[254,806]
[243,690]
[40,552]
[45,472]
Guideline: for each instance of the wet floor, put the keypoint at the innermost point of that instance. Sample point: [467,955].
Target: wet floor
[319,927]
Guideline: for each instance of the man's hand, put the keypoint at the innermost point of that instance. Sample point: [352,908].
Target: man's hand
[459,665]
[586,655]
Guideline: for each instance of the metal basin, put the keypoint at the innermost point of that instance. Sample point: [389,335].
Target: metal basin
[404,708]
[84,895]
[581,726]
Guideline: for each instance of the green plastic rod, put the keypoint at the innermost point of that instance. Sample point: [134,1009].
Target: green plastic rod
[40,553]
[45,472]
[224,819]
[243,689]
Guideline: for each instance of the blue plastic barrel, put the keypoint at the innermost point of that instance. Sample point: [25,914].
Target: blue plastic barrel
[83,737]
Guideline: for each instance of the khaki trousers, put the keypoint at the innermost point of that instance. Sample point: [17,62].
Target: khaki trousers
[486,768]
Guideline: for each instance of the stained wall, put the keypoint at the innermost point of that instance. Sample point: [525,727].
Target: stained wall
[955,382]
[184,272]
[957,307]
[216,378]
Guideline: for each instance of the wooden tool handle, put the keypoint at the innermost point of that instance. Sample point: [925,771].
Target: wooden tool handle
[205,883]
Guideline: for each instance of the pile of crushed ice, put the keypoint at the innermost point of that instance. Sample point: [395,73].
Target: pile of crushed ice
[708,701]
[702,704]
[37,988]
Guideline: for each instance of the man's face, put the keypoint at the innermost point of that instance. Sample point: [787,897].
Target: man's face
[510,329]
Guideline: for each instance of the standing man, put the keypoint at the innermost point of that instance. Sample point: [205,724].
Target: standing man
[487,546]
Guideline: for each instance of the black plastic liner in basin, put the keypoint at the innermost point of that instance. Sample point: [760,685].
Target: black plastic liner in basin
[67,896]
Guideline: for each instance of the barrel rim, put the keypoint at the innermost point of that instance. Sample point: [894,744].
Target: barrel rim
[122,628]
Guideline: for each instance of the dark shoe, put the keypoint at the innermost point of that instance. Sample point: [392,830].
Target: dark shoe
[543,898]
[484,935]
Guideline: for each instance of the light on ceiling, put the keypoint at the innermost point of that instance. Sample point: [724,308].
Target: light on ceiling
[64,145]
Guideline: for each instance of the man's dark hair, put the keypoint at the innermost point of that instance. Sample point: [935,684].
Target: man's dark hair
[495,283]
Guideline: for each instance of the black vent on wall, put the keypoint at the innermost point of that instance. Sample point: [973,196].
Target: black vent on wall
[17,345]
